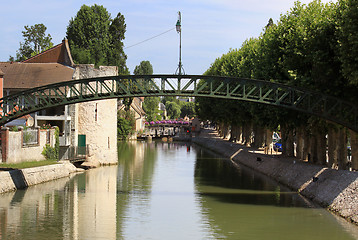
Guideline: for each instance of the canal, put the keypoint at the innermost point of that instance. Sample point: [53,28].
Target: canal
[166,191]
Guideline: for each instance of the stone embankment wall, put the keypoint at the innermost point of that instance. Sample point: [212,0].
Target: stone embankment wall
[22,178]
[336,190]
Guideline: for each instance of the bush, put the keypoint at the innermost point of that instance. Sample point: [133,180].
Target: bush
[52,153]
[125,124]
[49,152]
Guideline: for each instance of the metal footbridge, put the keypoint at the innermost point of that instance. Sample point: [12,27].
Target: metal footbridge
[127,86]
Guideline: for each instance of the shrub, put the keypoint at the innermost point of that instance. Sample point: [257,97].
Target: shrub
[49,152]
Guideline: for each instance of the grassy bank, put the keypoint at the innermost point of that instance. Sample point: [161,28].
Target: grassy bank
[4,166]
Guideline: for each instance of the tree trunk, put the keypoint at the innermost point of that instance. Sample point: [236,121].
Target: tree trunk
[318,144]
[246,133]
[300,131]
[235,133]
[268,140]
[287,141]
[232,133]
[226,131]
[342,150]
[306,154]
[258,136]
[219,129]
[332,148]
[239,134]
[321,147]
[313,148]
[354,149]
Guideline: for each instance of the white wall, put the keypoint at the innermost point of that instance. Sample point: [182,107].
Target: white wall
[17,153]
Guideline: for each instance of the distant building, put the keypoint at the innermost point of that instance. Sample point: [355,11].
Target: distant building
[136,108]
[163,110]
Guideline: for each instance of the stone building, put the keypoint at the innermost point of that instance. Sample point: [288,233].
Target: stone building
[92,124]
[95,123]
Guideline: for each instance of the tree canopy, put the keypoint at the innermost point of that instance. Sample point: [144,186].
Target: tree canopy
[311,46]
[173,110]
[94,37]
[144,68]
[35,42]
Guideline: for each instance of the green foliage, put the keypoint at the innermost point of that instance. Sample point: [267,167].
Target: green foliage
[49,152]
[125,124]
[96,38]
[347,16]
[150,106]
[188,109]
[36,41]
[310,46]
[144,68]
[173,110]
[57,143]
[27,137]
[52,153]
[166,99]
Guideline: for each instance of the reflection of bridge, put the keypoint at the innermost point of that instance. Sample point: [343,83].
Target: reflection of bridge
[264,92]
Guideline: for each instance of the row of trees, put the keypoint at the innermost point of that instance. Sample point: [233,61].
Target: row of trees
[174,107]
[311,46]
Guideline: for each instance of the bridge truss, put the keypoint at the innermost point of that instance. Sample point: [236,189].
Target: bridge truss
[264,92]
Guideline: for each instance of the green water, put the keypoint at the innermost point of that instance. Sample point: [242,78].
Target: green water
[166,191]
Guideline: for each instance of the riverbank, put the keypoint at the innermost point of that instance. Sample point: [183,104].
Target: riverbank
[22,178]
[336,190]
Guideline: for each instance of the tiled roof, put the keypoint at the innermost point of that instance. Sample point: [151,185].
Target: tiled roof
[57,54]
[29,75]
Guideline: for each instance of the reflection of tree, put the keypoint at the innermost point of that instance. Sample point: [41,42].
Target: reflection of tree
[135,174]
[136,166]
[211,170]
[240,202]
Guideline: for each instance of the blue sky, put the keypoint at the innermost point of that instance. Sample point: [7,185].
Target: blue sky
[209,27]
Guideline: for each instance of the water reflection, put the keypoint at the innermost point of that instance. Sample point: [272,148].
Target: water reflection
[221,180]
[242,204]
[165,191]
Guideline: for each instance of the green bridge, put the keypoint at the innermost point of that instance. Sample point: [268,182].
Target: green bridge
[264,92]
